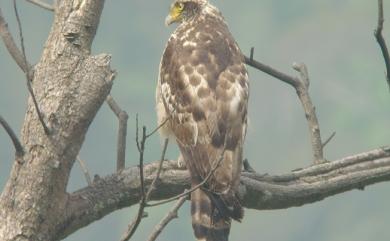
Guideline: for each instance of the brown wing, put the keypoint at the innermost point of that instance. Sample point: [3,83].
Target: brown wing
[205,89]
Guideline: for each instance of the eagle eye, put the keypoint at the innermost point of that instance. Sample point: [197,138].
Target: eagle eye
[179,6]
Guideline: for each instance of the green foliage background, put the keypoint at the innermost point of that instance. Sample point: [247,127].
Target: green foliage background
[334,38]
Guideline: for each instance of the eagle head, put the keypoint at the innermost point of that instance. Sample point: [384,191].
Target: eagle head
[185,10]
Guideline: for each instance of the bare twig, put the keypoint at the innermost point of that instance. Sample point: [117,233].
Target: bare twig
[39,113]
[122,132]
[172,214]
[19,152]
[42,4]
[161,125]
[252,54]
[28,73]
[216,164]
[158,128]
[271,71]
[153,185]
[329,139]
[381,41]
[132,227]
[29,78]
[301,86]
[134,224]
[314,128]
[11,45]
[85,170]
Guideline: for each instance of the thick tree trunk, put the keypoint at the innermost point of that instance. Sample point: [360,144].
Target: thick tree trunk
[70,86]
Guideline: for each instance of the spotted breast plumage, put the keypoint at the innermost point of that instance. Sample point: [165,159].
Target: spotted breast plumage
[202,98]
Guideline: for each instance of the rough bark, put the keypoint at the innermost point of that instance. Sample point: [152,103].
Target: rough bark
[70,86]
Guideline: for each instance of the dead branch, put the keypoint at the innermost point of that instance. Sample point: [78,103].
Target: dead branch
[122,132]
[271,71]
[261,192]
[329,139]
[302,90]
[28,72]
[11,46]
[381,41]
[301,86]
[172,214]
[19,151]
[20,57]
[162,159]
[132,227]
[42,4]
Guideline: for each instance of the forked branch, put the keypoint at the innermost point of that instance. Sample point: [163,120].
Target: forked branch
[132,227]
[301,85]
[172,214]
[20,58]
[302,90]
[145,195]
[122,132]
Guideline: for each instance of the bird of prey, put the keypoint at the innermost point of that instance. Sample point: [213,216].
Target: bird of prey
[202,98]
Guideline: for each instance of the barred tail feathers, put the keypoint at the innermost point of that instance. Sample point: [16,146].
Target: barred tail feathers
[212,215]
[207,221]
[214,205]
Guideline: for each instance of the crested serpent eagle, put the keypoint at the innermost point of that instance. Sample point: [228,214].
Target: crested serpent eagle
[202,98]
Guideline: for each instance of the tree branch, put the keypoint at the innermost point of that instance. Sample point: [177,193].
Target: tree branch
[381,41]
[132,227]
[153,186]
[122,132]
[172,214]
[42,4]
[11,46]
[301,86]
[293,81]
[329,139]
[302,90]
[145,196]
[19,152]
[28,73]
[259,192]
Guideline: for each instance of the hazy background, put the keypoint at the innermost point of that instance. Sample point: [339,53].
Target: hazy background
[334,38]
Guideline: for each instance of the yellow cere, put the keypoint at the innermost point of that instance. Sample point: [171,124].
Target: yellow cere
[176,11]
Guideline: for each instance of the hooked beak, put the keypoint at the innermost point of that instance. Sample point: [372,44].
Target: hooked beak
[169,20]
